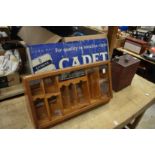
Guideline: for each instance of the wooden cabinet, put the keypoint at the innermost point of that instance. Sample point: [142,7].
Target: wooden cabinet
[53,99]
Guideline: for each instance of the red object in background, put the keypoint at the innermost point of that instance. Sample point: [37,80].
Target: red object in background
[132,44]
[123,71]
[153,49]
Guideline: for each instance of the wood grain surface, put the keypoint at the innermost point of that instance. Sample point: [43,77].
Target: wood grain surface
[123,107]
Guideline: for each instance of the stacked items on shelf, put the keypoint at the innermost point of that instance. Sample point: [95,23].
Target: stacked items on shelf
[9,65]
[12,67]
[12,59]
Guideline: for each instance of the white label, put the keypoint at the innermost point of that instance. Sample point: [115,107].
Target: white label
[42,60]
[132,47]
[103,70]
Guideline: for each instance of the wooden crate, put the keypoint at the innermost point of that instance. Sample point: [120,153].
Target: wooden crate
[52,100]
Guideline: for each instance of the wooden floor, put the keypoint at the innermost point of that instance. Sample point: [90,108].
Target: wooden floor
[124,106]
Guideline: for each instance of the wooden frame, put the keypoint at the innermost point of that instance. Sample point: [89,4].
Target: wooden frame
[112,32]
[51,100]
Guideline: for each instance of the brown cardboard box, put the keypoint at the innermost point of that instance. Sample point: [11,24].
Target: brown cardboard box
[89,30]
[85,37]
[37,35]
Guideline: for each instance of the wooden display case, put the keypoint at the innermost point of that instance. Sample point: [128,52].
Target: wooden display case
[52,99]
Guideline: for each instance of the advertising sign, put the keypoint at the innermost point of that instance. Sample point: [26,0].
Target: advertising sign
[53,56]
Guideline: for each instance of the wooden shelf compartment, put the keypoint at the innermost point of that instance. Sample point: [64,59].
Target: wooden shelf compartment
[37,88]
[55,105]
[48,108]
[104,81]
[75,93]
[83,92]
[104,87]
[53,114]
[51,84]
[41,110]
[93,78]
[43,93]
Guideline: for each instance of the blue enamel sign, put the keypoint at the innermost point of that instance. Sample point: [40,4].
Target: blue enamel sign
[61,55]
